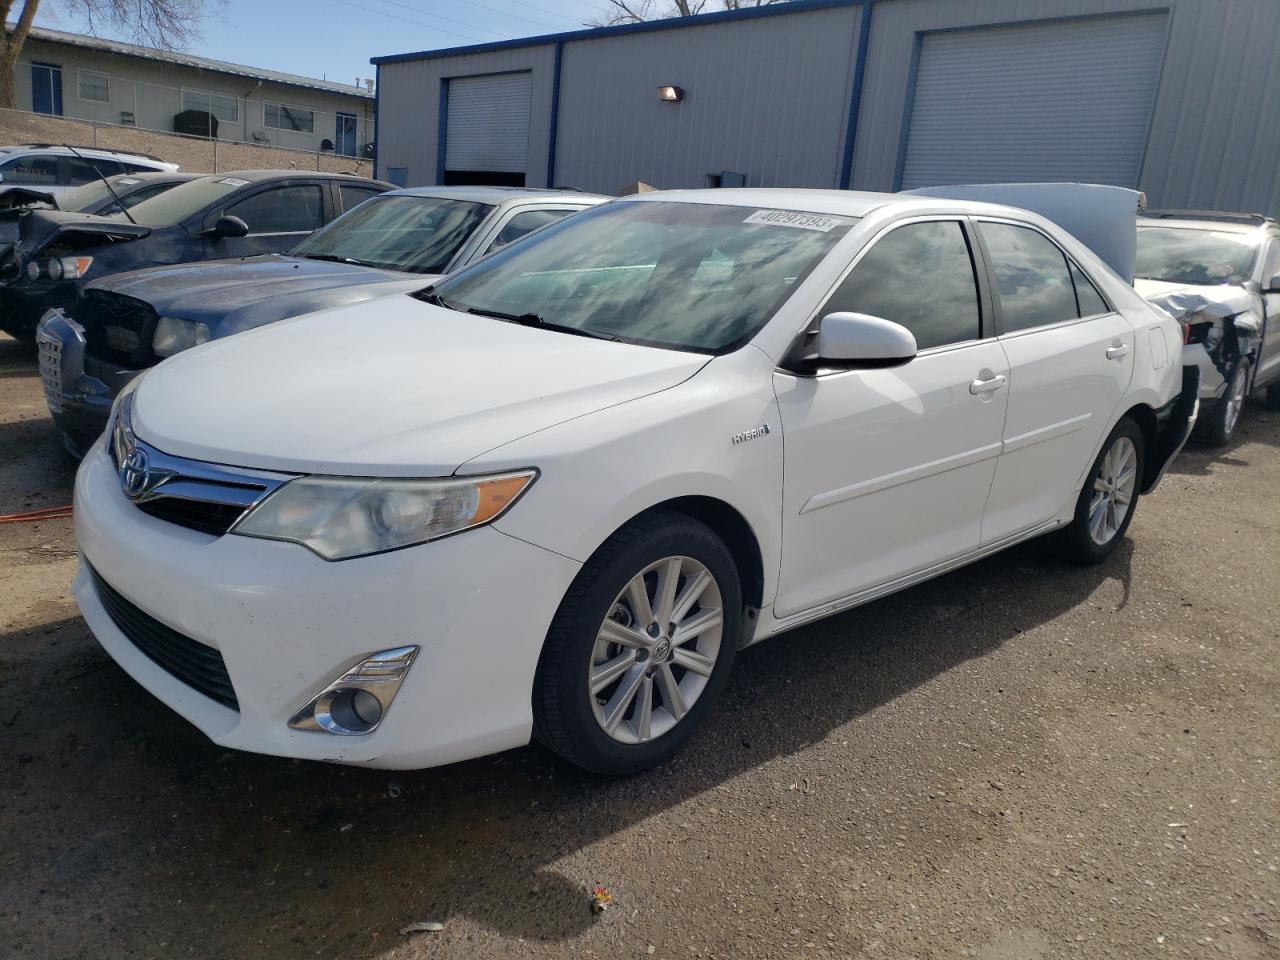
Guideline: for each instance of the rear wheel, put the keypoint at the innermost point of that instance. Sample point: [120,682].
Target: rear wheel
[1225,416]
[641,646]
[1105,506]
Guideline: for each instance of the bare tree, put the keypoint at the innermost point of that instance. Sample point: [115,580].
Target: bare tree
[167,24]
[637,11]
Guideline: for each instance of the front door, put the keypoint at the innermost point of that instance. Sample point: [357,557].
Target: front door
[888,470]
[279,218]
[344,139]
[1269,361]
[1070,361]
[46,88]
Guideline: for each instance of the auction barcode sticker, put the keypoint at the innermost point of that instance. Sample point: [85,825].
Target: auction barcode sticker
[233,181]
[801,221]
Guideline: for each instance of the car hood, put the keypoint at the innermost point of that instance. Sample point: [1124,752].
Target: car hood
[392,387]
[234,295]
[1183,300]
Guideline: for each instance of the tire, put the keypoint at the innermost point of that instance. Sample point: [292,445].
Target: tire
[1084,540]
[1225,416]
[680,680]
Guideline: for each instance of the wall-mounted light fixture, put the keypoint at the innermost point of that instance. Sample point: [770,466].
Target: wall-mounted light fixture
[670,94]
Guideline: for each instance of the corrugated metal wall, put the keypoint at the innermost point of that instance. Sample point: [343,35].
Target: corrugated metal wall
[766,98]
[409,95]
[769,98]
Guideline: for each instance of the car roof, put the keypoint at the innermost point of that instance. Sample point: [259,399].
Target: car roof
[153,176]
[65,151]
[497,195]
[258,176]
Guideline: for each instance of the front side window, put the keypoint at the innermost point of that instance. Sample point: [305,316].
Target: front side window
[95,86]
[413,234]
[1201,257]
[921,276]
[1033,281]
[525,223]
[224,108]
[352,196]
[32,169]
[291,209]
[281,117]
[689,276]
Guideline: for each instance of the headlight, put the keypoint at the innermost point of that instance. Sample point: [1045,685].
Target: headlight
[343,517]
[59,268]
[173,335]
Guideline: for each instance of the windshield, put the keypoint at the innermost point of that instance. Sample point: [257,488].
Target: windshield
[1204,257]
[692,276]
[174,206]
[413,234]
[84,198]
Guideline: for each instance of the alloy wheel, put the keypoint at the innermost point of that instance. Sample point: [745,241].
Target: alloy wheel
[1113,490]
[1235,400]
[656,649]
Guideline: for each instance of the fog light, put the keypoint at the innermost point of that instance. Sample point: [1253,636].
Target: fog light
[33,271]
[355,703]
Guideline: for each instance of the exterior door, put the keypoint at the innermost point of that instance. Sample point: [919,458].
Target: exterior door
[344,139]
[46,88]
[888,470]
[1070,361]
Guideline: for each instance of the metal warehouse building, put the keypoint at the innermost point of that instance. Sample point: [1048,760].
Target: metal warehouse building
[1180,99]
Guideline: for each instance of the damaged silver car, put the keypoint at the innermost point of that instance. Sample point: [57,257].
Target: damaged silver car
[1218,274]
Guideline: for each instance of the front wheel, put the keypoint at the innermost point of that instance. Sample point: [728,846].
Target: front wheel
[1226,413]
[1105,506]
[640,647]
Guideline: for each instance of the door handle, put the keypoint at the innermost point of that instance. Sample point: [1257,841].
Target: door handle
[979,387]
[1117,350]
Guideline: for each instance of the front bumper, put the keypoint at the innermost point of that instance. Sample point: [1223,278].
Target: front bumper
[287,622]
[79,389]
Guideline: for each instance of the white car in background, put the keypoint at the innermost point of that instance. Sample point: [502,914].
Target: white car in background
[1219,274]
[53,169]
[555,493]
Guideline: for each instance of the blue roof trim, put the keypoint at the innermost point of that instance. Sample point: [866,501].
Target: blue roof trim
[592,33]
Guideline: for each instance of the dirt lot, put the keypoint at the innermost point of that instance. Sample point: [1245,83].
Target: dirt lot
[1021,760]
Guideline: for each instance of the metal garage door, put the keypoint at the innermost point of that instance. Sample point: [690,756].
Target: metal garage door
[1069,100]
[487,126]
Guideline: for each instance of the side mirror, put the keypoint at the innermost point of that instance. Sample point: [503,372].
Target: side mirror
[1272,285]
[227,226]
[863,340]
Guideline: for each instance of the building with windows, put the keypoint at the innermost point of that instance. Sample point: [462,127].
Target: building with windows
[87,78]
[1178,98]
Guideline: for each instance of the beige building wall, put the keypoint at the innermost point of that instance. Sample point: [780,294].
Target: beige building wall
[152,91]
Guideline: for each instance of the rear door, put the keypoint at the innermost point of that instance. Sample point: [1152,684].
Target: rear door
[1070,362]
[279,217]
[887,470]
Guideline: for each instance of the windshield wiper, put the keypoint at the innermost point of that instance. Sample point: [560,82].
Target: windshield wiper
[333,258]
[533,320]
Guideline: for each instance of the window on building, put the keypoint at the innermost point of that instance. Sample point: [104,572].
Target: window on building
[226,109]
[95,86]
[281,117]
[398,175]
[921,276]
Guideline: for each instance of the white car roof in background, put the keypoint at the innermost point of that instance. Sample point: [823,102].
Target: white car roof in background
[1203,223]
[98,152]
[498,195]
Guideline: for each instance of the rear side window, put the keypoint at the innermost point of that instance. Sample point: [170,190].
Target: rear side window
[1033,281]
[292,209]
[353,196]
[921,276]
[92,170]
[1087,295]
[32,169]
[526,222]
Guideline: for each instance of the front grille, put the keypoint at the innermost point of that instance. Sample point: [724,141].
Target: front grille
[51,369]
[117,329]
[212,518]
[195,664]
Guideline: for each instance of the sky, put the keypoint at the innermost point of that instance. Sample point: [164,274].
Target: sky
[334,39]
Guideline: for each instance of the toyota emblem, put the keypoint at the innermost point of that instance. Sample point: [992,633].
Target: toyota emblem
[135,473]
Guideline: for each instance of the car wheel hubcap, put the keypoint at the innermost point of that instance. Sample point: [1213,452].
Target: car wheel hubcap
[655,651]
[1113,488]
[1235,402]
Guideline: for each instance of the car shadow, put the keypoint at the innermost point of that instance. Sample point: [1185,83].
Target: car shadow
[17,357]
[1257,425]
[155,824]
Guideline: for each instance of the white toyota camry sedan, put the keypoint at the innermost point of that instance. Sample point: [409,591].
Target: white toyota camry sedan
[553,495]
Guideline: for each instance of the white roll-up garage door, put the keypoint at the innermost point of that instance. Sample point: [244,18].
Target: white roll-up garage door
[487,126]
[1069,100]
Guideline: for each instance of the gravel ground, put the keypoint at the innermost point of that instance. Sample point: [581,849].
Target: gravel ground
[1020,760]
